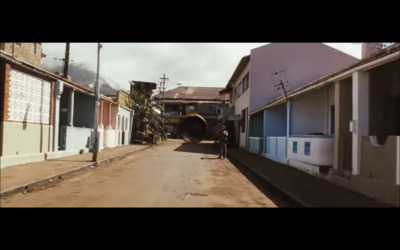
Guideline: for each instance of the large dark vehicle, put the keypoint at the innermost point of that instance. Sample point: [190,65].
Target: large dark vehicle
[193,128]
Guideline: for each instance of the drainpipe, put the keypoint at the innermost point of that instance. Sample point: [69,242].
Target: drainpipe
[71,106]
[59,87]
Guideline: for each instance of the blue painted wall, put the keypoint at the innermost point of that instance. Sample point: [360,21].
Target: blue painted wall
[83,110]
[275,121]
[256,125]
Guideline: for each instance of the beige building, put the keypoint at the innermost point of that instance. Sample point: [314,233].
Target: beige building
[27,52]
[239,91]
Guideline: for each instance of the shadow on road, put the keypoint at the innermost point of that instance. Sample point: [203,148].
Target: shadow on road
[210,158]
[70,160]
[274,194]
[202,148]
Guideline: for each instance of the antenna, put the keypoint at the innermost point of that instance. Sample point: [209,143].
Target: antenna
[282,85]
[63,63]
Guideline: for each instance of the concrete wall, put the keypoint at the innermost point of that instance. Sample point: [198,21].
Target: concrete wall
[78,138]
[27,114]
[321,150]
[377,173]
[320,59]
[256,144]
[276,149]
[124,126]
[83,110]
[110,138]
[310,112]
[379,162]
[26,138]
[385,99]
[126,114]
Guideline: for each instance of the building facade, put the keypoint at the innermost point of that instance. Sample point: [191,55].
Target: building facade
[237,116]
[53,114]
[27,52]
[205,101]
[343,127]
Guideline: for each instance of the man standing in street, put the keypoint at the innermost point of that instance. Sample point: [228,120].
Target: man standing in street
[223,139]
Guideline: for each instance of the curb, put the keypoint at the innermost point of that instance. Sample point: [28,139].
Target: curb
[302,203]
[35,184]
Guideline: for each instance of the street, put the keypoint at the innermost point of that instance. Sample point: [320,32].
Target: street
[170,174]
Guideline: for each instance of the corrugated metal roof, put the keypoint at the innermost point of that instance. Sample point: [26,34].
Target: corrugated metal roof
[192,101]
[194,93]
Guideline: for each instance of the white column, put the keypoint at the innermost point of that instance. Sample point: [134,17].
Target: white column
[264,132]
[360,122]
[59,87]
[338,131]
[109,117]
[71,108]
[287,127]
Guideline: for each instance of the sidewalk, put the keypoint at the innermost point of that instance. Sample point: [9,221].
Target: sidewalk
[308,190]
[18,178]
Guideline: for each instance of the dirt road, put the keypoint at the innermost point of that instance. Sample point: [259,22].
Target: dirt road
[170,174]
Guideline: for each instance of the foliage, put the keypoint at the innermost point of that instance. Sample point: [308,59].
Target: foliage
[81,151]
[147,119]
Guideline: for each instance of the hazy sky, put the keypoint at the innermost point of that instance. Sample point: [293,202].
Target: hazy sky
[191,64]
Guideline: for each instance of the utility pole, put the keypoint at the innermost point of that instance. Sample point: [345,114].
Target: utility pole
[96,108]
[66,61]
[163,79]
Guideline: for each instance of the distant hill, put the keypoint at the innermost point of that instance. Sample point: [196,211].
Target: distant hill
[85,77]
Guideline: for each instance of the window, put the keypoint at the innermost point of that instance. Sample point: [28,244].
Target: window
[243,85]
[33,48]
[294,148]
[245,82]
[190,109]
[239,90]
[243,121]
[307,148]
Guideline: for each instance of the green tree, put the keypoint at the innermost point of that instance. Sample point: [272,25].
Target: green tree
[147,119]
